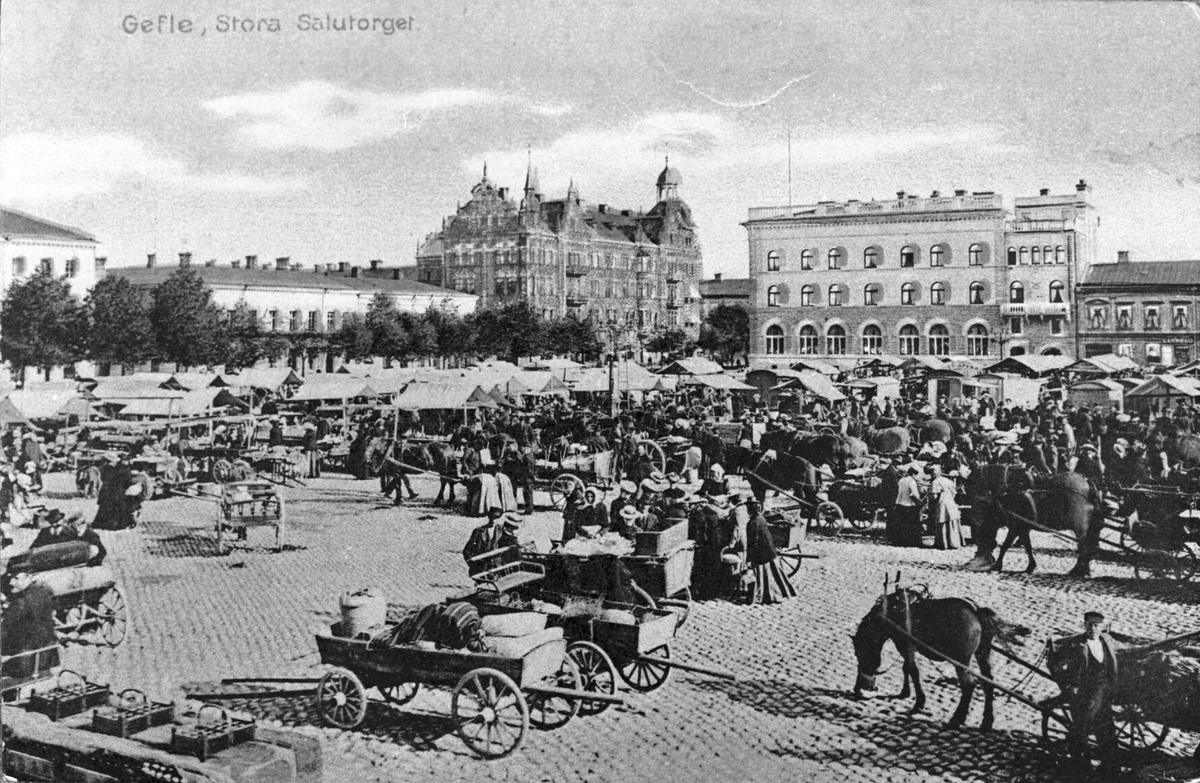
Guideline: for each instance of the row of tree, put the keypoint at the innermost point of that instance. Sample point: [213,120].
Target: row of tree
[42,324]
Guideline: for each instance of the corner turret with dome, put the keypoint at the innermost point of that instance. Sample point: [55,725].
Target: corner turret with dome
[571,257]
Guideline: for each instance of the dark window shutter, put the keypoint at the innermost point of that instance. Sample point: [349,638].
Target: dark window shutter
[817,297]
[946,283]
[783,294]
[916,292]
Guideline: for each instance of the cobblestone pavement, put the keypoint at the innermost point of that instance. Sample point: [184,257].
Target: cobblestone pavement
[199,617]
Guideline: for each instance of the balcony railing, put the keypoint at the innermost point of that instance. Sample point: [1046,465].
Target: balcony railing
[985,201]
[1036,308]
[674,304]
[577,300]
[576,271]
[1035,225]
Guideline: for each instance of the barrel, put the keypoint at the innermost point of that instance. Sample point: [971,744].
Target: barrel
[362,610]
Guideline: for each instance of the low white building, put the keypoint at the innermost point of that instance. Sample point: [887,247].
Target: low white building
[289,300]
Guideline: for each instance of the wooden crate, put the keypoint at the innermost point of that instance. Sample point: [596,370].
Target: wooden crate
[660,542]
[63,701]
[666,576]
[135,713]
[203,740]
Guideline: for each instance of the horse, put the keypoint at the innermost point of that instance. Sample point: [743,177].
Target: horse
[434,457]
[788,472]
[1065,501]
[948,629]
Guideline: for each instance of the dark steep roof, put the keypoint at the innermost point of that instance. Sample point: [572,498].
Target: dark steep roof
[14,223]
[1145,273]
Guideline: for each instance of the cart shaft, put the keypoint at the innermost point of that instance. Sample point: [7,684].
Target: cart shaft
[550,690]
[688,667]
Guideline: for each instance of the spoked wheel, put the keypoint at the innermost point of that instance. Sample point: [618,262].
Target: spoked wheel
[791,561]
[657,458]
[111,618]
[399,693]
[645,675]
[830,519]
[551,711]
[561,488]
[681,605]
[490,713]
[597,674]
[222,471]
[341,699]
[1133,732]
[1179,565]
[864,522]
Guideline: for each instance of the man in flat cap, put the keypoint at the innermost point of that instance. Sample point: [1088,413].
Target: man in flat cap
[1089,679]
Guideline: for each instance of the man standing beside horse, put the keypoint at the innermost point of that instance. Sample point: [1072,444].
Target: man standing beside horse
[1087,672]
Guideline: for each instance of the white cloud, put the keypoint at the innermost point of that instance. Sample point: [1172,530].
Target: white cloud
[42,167]
[326,116]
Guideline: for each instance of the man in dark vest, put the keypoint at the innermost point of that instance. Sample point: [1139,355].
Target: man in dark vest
[1089,679]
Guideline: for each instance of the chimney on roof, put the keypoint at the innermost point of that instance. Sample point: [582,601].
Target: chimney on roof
[624,213]
[235,264]
[101,263]
[960,192]
[342,266]
[716,277]
[281,264]
[375,262]
[328,268]
[1122,256]
[1044,192]
[899,195]
[317,268]
[354,270]
[150,261]
[211,262]
[396,274]
[935,194]
[185,260]
[252,262]
[1082,186]
[603,209]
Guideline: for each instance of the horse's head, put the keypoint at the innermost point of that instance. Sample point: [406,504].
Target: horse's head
[868,641]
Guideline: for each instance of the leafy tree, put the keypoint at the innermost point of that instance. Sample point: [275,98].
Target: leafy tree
[524,331]
[354,339]
[243,338]
[672,341]
[186,322]
[422,336]
[573,337]
[388,337]
[454,335]
[42,324]
[726,332]
[121,332]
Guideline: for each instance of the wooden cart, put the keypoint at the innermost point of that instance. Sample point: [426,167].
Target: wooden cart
[89,607]
[565,475]
[246,504]
[494,697]
[789,529]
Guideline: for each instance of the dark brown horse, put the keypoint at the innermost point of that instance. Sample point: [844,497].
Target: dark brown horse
[948,629]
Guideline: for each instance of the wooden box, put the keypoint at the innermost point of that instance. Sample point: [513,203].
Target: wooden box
[205,738]
[660,542]
[135,713]
[63,701]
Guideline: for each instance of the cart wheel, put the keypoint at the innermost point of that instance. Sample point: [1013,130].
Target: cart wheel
[859,522]
[490,713]
[1055,725]
[597,674]
[341,699]
[657,458]
[791,561]
[830,518]
[645,675]
[547,712]
[681,605]
[561,488]
[69,622]
[1179,565]
[222,471]
[1133,732]
[399,693]
[112,617]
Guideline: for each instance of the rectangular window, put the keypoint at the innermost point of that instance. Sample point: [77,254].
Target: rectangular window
[1180,318]
[1153,353]
[1124,349]
[18,266]
[72,267]
[314,320]
[275,320]
[1056,326]
[1016,325]
[331,321]
[1152,323]
[47,266]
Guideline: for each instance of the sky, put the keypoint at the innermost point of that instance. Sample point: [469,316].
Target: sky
[331,146]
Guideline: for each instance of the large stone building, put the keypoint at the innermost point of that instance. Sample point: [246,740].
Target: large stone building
[291,300]
[571,257]
[1144,310]
[943,275]
[31,244]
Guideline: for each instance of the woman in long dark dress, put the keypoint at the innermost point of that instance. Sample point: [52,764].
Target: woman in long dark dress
[771,585]
[115,511]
